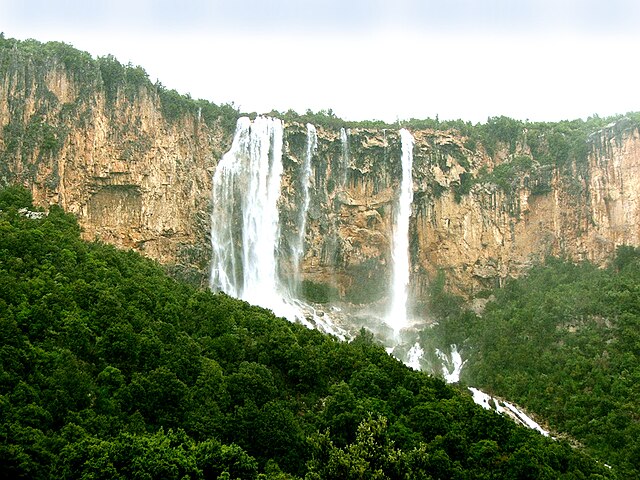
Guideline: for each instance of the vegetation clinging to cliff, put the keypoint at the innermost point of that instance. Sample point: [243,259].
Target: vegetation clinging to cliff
[548,142]
[108,74]
[556,144]
[533,151]
[527,152]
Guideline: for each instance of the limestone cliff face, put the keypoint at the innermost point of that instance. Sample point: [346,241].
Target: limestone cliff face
[139,177]
[478,238]
[110,156]
[350,218]
[491,234]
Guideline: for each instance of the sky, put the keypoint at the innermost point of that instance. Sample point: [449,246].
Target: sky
[537,60]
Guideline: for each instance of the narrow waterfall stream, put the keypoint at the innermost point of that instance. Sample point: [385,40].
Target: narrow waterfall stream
[397,315]
[344,158]
[297,250]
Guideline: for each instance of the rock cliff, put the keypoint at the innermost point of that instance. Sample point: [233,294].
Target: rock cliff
[86,136]
[513,212]
[134,162]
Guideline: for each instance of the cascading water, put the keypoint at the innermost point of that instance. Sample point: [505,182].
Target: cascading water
[246,188]
[245,234]
[226,262]
[397,314]
[414,356]
[344,140]
[261,220]
[297,250]
[451,365]
[245,223]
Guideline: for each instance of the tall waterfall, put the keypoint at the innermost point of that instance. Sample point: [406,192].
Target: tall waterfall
[297,249]
[245,221]
[397,314]
[344,140]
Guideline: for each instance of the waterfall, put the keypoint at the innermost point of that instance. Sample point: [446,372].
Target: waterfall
[414,356]
[397,314]
[297,249]
[245,221]
[226,262]
[261,220]
[344,140]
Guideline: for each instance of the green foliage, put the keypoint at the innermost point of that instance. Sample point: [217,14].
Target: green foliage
[463,187]
[441,303]
[563,342]
[564,146]
[324,118]
[120,83]
[328,119]
[74,61]
[16,197]
[508,175]
[503,130]
[113,76]
[174,105]
[318,292]
[110,369]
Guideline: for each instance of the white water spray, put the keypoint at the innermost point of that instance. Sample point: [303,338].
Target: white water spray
[485,401]
[414,356]
[397,315]
[261,219]
[451,365]
[226,262]
[245,224]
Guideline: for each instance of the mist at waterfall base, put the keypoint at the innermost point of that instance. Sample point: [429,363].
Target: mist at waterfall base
[251,249]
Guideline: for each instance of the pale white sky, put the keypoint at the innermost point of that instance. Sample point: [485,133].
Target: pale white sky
[366,59]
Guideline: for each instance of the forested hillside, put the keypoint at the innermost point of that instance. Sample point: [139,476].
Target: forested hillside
[564,342]
[110,369]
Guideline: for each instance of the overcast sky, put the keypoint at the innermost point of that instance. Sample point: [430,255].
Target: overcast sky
[366,59]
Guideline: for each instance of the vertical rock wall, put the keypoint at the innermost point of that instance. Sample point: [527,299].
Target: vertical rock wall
[132,177]
[138,179]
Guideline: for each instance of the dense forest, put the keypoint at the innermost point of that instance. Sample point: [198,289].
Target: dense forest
[111,369]
[564,341]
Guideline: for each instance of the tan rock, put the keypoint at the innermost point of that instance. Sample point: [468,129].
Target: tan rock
[139,181]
